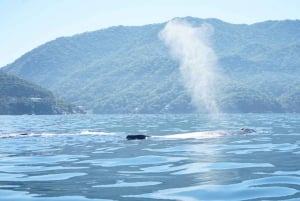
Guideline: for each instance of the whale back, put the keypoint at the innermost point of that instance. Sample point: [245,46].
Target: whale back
[136,137]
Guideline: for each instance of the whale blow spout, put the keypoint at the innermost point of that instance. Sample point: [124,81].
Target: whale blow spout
[198,63]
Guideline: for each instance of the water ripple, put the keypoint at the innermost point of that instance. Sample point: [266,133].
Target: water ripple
[250,189]
[86,158]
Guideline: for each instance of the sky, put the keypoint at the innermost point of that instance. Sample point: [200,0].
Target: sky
[26,24]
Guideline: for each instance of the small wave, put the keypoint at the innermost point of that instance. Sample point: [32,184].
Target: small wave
[13,135]
[121,183]
[9,135]
[87,132]
[196,135]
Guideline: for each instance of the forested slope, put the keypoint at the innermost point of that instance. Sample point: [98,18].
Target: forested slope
[129,69]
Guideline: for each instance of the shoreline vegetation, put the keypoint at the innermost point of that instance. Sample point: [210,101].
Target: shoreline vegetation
[122,70]
[18,97]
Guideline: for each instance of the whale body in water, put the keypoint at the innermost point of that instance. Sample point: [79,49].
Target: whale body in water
[137,137]
[191,135]
[195,135]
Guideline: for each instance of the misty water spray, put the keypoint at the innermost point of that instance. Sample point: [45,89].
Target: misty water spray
[198,61]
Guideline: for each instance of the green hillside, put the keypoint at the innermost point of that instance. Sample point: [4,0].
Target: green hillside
[18,96]
[129,69]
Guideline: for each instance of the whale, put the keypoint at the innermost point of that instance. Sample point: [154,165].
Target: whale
[137,137]
[246,131]
[9,135]
[195,135]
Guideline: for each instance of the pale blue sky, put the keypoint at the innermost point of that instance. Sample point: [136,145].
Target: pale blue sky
[26,24]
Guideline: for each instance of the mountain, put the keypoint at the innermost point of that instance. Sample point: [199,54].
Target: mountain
[18,96]
[128,69]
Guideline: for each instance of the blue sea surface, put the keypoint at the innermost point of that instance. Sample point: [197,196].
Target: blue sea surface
[87,157]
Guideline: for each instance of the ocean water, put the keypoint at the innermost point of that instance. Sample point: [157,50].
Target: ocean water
[188,157]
